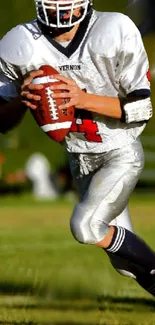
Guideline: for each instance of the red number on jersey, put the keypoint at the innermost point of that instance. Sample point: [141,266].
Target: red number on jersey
[87,126]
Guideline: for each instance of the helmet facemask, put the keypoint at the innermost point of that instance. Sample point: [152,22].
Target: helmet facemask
[63,12]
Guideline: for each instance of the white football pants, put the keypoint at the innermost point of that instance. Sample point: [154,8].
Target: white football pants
[105,182]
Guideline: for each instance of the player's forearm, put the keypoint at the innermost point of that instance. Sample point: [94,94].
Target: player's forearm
[108,106]
[11,113]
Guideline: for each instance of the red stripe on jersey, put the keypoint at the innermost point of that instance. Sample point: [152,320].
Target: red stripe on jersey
[148,75]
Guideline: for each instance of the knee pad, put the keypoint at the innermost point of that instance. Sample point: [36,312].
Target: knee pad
[85,228]
[76,230]
[78,225]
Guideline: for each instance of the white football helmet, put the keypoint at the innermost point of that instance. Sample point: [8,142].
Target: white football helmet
[61,7]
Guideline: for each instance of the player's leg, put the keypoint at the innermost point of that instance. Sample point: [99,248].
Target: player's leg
[123,220]
[106,199]
[105,182]
[125,172]
[120,264]
[124,266]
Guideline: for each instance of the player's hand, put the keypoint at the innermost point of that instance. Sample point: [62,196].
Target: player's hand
[27,96]
[69,89]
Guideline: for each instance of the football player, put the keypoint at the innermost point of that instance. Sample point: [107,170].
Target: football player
[105,73]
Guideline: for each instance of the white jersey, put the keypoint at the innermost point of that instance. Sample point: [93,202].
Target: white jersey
[106,57]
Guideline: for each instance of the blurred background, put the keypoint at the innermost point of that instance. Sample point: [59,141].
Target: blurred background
[46,277]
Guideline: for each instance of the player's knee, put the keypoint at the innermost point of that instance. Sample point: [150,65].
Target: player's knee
[88,227]
[98,228]
[76,230]
[80,225]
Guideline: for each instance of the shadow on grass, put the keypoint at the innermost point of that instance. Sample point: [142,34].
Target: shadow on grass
[17,288]
[46,292]
[63,299]
[43,323]
[17,323]
[112,303]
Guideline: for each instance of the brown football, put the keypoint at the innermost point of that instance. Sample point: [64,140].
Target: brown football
[53,121]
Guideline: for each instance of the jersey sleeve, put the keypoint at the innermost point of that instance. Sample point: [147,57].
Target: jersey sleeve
[9,84]
[134,76]
[11,54]
[135,79]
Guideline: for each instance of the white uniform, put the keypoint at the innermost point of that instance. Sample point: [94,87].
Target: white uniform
[107,58]
[103,61]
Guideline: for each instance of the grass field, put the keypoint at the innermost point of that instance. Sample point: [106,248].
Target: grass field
[47,278]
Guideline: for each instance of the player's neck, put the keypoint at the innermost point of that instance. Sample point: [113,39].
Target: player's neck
[68,36]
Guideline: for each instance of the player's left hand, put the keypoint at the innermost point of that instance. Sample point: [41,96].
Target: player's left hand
[69,89]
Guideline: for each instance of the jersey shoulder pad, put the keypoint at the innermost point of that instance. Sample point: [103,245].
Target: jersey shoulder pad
[109,32]
[16,47]
[116,21]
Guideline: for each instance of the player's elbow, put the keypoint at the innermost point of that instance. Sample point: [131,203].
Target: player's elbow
[3,131]
[6,125]
[11,114]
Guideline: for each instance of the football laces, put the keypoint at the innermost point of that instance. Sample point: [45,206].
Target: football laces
[52,104]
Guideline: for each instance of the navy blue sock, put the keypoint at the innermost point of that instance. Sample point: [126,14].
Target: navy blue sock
[127,245]
[143,278]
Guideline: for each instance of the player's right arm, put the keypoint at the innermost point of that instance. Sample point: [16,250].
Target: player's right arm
[11,113]
[15,94]
[14,102]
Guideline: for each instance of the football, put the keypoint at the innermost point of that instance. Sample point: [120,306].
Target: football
[53,121]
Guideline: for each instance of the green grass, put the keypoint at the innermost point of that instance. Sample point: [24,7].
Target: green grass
[47,278]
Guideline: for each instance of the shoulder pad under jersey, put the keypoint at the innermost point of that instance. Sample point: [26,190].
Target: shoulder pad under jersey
[115,22]
[110,31]
[17,46]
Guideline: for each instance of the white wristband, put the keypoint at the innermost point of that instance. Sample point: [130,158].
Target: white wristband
[138,111]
